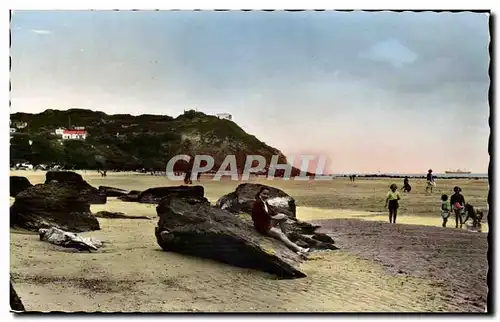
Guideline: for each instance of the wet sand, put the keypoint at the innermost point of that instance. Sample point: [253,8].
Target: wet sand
[131,273]
[452,258]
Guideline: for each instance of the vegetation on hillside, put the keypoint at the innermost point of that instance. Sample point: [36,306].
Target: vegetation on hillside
[130,142]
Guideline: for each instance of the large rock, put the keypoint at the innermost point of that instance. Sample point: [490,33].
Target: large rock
[52,205]
[302,227]
[322,238]
[311,241]
[303,233]
[241,200]
[18,184]
[112,191]
[70,178]
[15,301]
[155,195]
[194,227]
[131,196]
[117,215]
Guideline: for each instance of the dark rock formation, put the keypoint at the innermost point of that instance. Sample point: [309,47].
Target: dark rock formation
[310,242]
[322,237]
[52,205]
[15,301]
[303,233]
[117,215]
[241,200]
[195,228]
[112,192]
[18,184]
[132,196]
[70,178]
[303,227]
[67,177]
[154,195]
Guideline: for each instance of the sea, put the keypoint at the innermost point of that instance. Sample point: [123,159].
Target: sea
[419,175]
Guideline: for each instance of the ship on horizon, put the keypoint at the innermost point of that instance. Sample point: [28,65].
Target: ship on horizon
[458,171]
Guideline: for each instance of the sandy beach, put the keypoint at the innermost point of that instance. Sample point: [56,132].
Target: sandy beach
[132,273]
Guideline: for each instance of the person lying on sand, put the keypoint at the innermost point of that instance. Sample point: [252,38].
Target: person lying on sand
[445,209]
[266,221]
[458,204]
[392,201]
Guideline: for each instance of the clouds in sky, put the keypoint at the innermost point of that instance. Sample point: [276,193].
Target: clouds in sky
[371,90]
[41,32]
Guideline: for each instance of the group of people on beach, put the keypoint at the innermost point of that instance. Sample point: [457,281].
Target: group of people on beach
[430,183]
[393,196]
[456,204]
[269,223]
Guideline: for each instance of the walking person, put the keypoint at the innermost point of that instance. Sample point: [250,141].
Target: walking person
[457,202]
[445,209]
[269,223]
[430,181]
[392,202]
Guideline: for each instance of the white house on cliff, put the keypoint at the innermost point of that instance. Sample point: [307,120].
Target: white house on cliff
[225,116]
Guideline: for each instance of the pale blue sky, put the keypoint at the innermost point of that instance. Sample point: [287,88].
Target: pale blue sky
[397,92]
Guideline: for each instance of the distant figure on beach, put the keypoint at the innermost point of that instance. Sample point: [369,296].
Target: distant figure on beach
[189,171]
[445,209]
[457,201]
[187,178]
[266,221]
[406,185]
[430,181]
[352,177]
[392,202]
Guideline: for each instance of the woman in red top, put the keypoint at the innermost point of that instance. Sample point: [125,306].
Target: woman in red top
[265,221]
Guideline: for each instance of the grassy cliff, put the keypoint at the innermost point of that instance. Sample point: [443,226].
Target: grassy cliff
[128,142]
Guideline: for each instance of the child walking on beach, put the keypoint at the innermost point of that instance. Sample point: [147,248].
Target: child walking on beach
[392,201]
[445,209]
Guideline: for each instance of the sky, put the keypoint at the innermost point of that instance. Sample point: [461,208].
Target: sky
[380,91]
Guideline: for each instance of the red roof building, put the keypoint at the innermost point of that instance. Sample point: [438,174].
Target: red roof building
[74,135]
[75,132]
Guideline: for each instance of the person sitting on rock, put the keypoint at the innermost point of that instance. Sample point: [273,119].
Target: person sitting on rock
[266,221]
